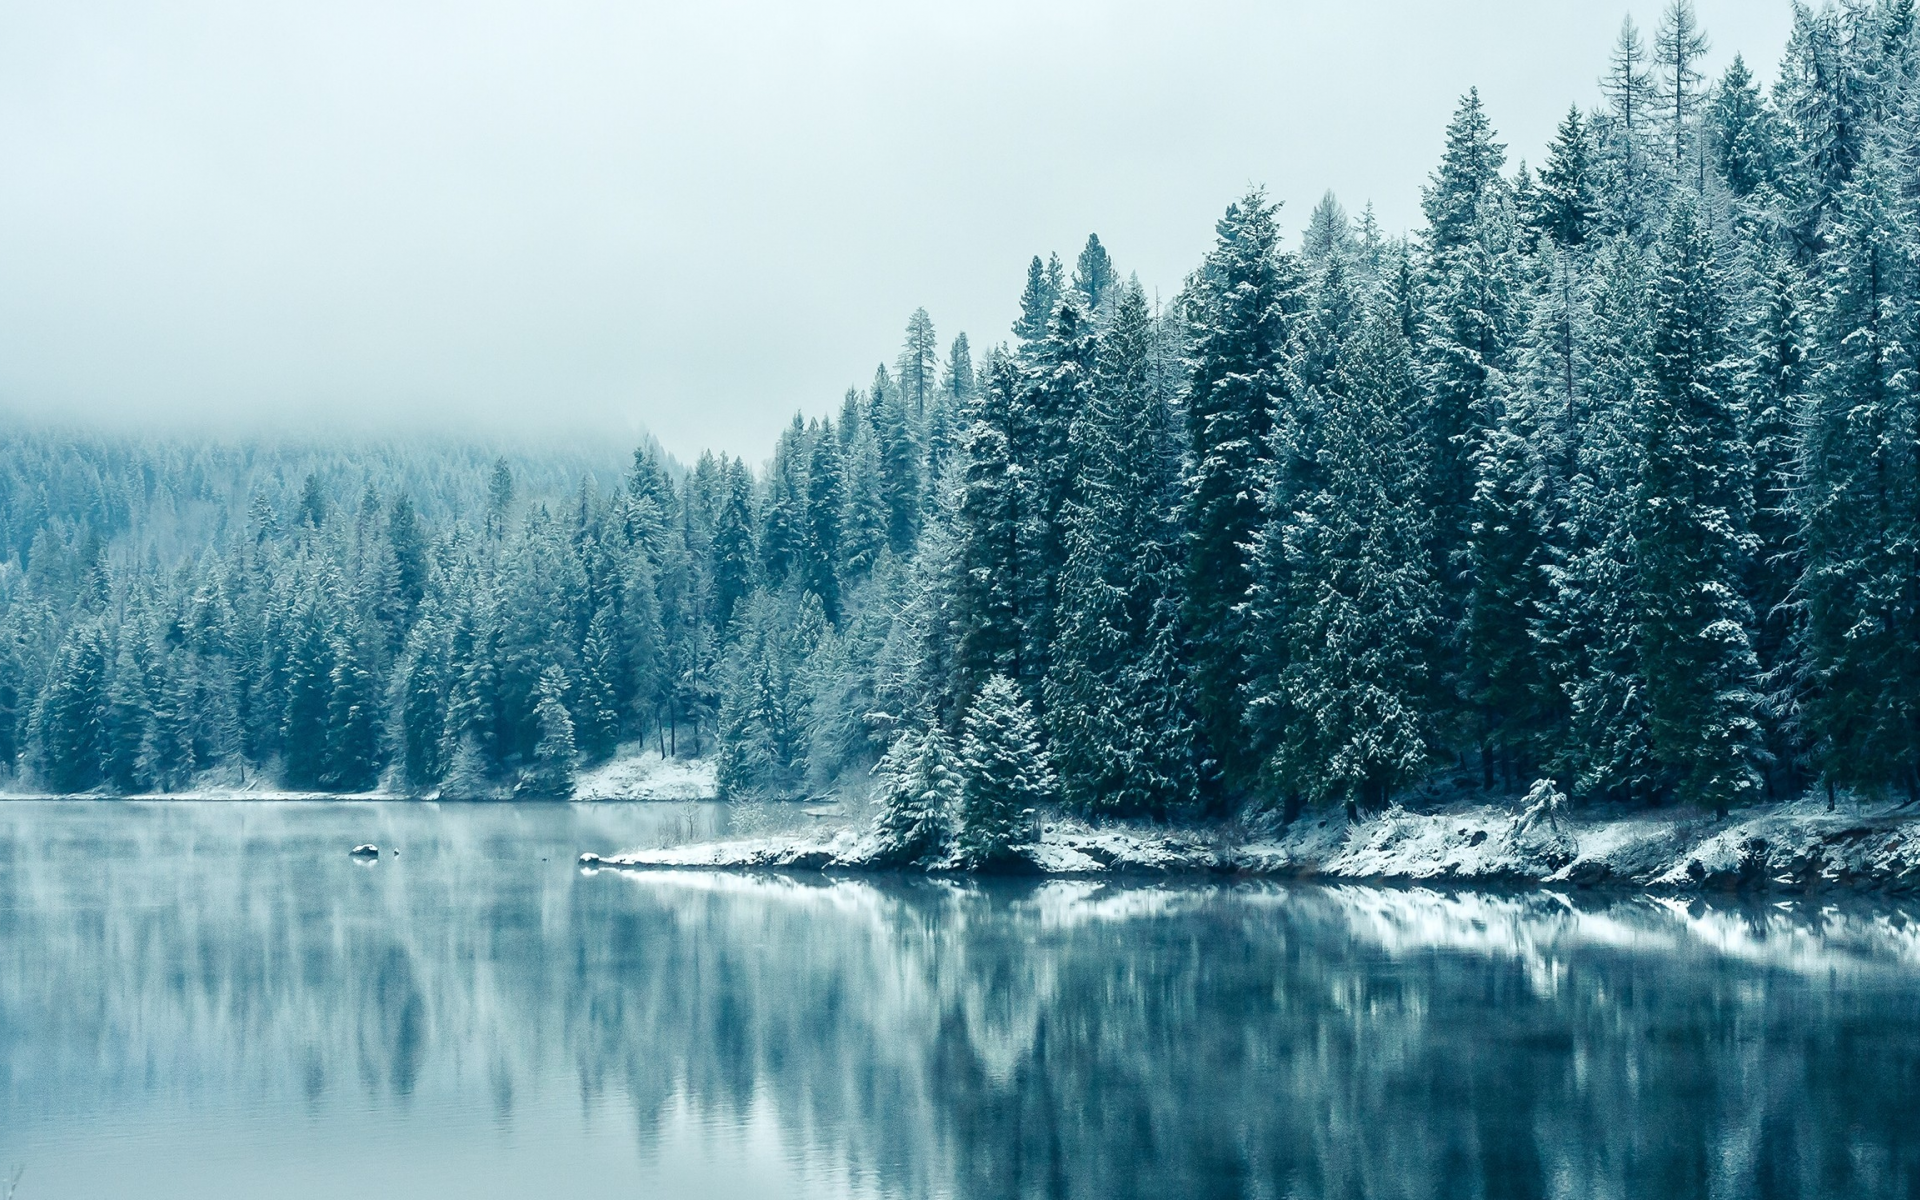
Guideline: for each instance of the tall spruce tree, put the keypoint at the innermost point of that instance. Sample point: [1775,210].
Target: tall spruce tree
[1242,308]
[920,790]
[1353,695]
[1118,706]
[551,776]
[1691,508]
[1859,500]
[1006,777]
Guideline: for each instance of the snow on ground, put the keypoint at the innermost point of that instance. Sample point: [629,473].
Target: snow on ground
[647,775]
[635,774]
[1795,847]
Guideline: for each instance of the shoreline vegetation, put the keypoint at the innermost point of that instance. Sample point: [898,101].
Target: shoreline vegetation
[1601,487]
[1792,849]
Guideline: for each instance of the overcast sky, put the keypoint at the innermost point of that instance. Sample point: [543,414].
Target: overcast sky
[696,218]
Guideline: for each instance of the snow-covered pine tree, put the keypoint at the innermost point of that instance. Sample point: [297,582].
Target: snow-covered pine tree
[1037,301]
[70,719]
[551,775]
[1772,377]
[992,522]
[1006,777]
[820,535]
[1742,132]
[863,522]
[732,554]
[1859,498]
[919,796]
[1361,611]
[129,712]
[423,684]
[1094,278]
[1564,207]
[1055,390]
[353,714]
[1625,134]
[309,689]
[783,511]
[1242,306]
[1691,508]
[1590,626]
[1468,331]
[1118,705]
[917,370]
[167,759]
[1679,46]
[596,704]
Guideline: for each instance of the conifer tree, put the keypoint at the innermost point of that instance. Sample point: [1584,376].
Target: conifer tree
[918,368]
[1691,512]
[994,512]
[864,521]
[1741,128]
[826,499]
[353,715]
[1564,209]
[899,461]
[1360,609]
[596,707]
[1679,45]
[1328,235]
[129,713]
[783,515]
[1006,776]
[1590,628]
[551,775]
[1118,705]
[167,757]
[310,662]
[12,684]
[732,547]
[408,545]
[424,750]
[1859,500]
[1056,392]
[920,791]
[1467,337]
[1772,383]
[1093,277]
[1037,302]
[1629,88]
[1242,309]
[71,716]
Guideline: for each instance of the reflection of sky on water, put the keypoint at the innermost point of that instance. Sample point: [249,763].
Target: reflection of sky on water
[214,1000]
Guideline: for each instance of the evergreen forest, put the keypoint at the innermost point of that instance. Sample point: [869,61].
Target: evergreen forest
[1607,474]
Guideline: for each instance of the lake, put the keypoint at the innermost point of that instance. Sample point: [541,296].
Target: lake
[213,1000]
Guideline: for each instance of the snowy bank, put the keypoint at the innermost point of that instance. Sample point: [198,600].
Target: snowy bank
[1798,847]
[648,775]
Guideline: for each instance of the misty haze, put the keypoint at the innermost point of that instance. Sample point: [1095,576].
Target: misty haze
[1257,600]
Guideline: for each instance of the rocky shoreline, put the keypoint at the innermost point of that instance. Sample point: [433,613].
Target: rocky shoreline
[1792,848]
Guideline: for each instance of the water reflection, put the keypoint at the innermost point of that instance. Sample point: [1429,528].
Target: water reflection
[214,1000]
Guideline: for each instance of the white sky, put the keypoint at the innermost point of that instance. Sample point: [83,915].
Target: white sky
[596,215]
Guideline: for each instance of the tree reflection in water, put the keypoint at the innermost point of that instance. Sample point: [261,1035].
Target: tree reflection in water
[217,971]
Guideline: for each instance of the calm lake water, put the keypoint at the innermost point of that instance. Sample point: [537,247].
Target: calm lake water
[213,1000]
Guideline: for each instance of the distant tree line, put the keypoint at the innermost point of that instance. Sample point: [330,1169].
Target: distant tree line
[1610,473]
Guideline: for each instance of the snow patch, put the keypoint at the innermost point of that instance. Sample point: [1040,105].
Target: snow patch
[648,776]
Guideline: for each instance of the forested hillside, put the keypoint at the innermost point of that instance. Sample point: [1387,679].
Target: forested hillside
[1609,473]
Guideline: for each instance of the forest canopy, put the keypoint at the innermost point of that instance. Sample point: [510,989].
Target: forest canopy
[1609,474]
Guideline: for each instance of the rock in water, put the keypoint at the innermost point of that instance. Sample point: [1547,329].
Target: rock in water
[367,851]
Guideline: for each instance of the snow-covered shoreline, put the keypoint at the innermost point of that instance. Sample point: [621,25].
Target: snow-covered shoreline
[641,776]
[1791,848]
